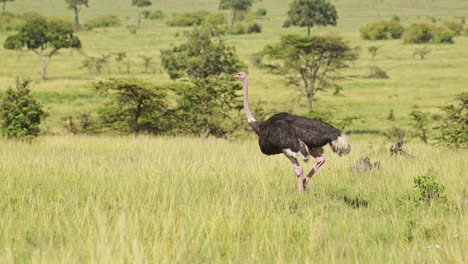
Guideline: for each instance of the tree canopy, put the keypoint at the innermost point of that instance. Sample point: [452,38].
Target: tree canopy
[237,7]
[205,106]
[204,54]
[43,37]
[315,61]
[310,13]
[136,106]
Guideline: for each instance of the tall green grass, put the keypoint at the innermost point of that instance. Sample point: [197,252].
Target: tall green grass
[179,200]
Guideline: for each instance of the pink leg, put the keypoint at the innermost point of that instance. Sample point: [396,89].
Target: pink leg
[320,161]
[298,171]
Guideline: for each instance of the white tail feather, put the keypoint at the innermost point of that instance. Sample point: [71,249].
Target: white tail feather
[341,145]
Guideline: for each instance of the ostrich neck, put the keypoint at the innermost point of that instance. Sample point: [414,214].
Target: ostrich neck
[249,115]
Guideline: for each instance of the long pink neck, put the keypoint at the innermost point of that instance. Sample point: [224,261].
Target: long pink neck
[249,115]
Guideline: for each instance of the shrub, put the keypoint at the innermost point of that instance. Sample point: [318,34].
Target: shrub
[153,15]
[442,34]
[238,29]
[382,29]
[254,28]
[428,190]
[20,112]
[10,22]
[261,12]
[376,73]
[103,22]
[132,29]
[454,128]
[455,26]
[418,33]
[195,19]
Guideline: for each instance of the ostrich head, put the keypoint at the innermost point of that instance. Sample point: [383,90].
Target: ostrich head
[241,76]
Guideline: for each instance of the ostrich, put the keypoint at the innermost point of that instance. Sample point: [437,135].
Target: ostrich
[295,136]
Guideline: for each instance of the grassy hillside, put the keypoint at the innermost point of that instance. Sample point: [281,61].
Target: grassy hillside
[413,84]
[147,200]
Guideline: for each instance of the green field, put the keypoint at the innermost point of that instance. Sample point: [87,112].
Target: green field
[101,199]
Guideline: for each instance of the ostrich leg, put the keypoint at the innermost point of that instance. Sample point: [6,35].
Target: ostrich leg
[320,161]
[298,171]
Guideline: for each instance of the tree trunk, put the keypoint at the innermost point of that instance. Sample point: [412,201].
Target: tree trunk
[139,16]
[77,19]
[310,98]
[308,31]
[3,7]
[44,66]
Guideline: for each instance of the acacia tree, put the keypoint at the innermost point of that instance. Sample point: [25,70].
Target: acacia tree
[315,61]
[140,4]
[45,38]
[310,13]
[4,4]
[76,6]
[453,131]
[135,106]
[208,63]
[237,7]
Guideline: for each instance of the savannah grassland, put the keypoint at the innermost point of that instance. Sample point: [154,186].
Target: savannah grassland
[142,199]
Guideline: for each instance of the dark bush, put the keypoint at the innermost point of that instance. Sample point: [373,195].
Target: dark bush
[195,19]
[153,15]
[261,12]
[376,73]
[254,28]
[103,22]
[382,29]
[238,29]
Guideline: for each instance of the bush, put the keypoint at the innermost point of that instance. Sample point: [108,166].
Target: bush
[238,29]
[195,19]
[377,73]
[453,130]
[455,26]
[382,29]
[428,190]
[103,22]
[153,15]
[261,12]
[9,22]
[254,28]
[418,33]
[20,113]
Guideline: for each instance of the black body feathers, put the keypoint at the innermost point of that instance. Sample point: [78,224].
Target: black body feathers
[285,131]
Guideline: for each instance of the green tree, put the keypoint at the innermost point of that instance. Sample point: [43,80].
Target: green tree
[4,4]
[454,128]
[310,13]
[237,7]
[135,106]
[140,4]
[421,121]
[203,54]
[315,61]
[76,6]
[20,113]
[205,106]
[45,38]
